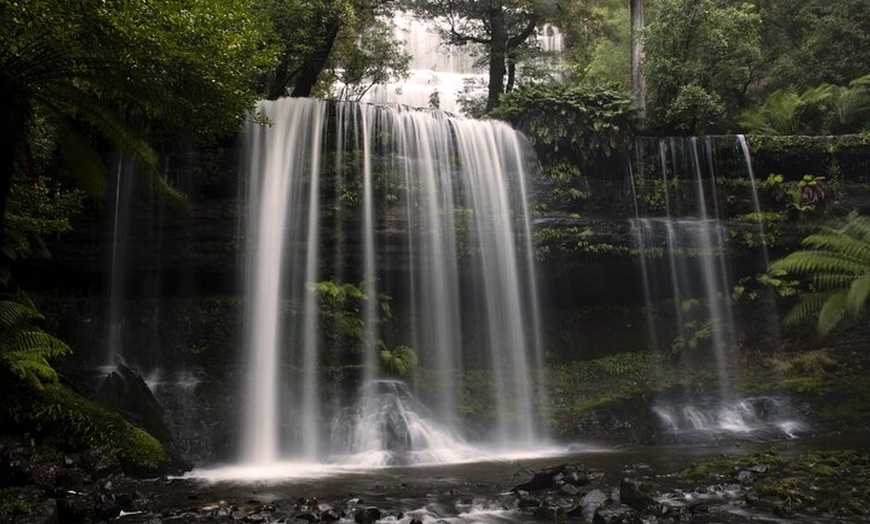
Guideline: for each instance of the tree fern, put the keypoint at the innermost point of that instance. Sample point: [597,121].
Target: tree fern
[24,347]
[837,262]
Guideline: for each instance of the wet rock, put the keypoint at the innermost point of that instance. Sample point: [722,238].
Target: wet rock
[759,468]
[15,465]
[76,507]
[330,515]
[525,501]
[635,494]
[508,501]
[744,476]
[596,496]
[549,512]
[589,505]
[553,477]
[307,517]
[255,518]
[100,462]
[367,515]
[614,515]
[595,476]
[569,489]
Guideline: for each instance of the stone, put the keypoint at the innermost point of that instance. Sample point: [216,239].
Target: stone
[528,501]
[635,494]
[569,489]
[549,512]
[367,515]
[100,462]
[76,507]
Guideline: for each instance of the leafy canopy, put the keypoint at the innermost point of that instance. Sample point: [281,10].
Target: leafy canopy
[581,122]
[701,57]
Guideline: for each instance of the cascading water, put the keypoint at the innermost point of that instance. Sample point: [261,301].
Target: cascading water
[420,205]
[440,74]
[683,252]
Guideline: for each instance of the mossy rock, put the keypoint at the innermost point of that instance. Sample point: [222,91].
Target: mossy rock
[58,416]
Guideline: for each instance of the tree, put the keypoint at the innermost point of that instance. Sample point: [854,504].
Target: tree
[812,42]
[638,82]
[104,74]
[328,40]
[502,27]
[701,57]
[837,261]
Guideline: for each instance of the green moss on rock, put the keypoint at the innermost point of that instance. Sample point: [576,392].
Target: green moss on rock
[58,415]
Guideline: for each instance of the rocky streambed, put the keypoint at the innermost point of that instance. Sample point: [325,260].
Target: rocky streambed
[783,481]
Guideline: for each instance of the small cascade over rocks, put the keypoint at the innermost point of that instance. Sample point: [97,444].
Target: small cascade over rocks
[704,418]
[427,208]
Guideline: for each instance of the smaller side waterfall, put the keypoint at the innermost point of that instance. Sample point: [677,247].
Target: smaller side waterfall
[687,231]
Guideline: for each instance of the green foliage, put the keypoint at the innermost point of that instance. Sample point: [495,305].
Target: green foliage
[700,60]
[72,422]
[837,262]
[797,198]
[823,110]
[579,123]
[35,210]
[812,42]
[400,359]
[12,503]
[843,157]
[697,328]
[25,348]
[100,71]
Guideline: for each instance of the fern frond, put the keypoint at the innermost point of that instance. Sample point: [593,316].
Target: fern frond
[859,291]
[810,262]
[808,306]
[843,244]
[857,226]
[31,368]
[832,312]
[77,102]
[13,314]
[37,341]
[831,281]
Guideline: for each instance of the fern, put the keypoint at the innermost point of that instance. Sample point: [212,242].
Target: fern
[837,262]
[25,348]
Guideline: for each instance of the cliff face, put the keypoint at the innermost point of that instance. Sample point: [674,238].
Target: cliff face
[177,274]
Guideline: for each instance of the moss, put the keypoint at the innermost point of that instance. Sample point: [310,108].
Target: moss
[581,407]
[829,483]
[61,417]
[12,504]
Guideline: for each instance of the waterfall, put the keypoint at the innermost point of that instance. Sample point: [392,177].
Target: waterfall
[424,207]
[686,256]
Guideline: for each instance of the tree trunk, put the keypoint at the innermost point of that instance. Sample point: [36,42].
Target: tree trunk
[638,82]
[314,63]
[278,86]
[497,57]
